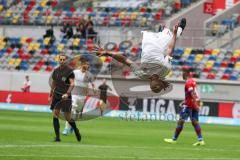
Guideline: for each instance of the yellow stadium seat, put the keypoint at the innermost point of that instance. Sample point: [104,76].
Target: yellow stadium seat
[209,63]
[215,51]
[198,57]
[23,40]
[15,19]
[17,62]
[236,52]
[1,8]
[36,46]
[76,42]
[143,21]
[2,45]
[49,19]
[36,13]
[187,51]
[60,47]
[43,3]
[122,15]
[56,58]
[46,41]
[1,38]
[237,65]
[30,46]
[103,58]
[134,15]
[8,13]
[11,61]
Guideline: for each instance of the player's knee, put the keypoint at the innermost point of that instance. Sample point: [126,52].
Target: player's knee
[194,122]
[181,122]
[67,116]
[56,113]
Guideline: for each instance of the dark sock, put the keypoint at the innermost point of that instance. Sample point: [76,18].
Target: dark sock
[198,131]
[56,127]
[76,131]
[177,131]
[73,125]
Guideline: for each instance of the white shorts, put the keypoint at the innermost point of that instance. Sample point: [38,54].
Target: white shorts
[78,102]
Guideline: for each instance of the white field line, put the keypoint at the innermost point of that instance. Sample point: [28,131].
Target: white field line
[200,148]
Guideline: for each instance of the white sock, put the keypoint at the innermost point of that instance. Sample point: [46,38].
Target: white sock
[67,126]
[179,31]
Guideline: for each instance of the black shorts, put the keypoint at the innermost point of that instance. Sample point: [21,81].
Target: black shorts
[103,98]
[65,105]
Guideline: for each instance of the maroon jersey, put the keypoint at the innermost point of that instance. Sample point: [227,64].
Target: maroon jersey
[191,86]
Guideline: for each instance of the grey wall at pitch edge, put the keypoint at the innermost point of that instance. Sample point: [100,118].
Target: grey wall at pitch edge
[222,90]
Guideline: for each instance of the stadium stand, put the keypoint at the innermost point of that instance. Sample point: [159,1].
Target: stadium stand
[28,54]
[225,25]
[107,13]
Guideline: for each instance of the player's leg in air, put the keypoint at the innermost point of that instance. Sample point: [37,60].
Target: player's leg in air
[197,128]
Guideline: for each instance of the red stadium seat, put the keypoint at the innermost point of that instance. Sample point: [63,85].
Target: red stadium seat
[49,68]
[54,3]
[207,69]
[9,50]
[72,9]
[90,9]
[108,59]
[208,51]
[234,59]
[225,76]
[158,16]
[58,13]
[41,62]
[211,76]
[143,9]
[29,40]
[37,67]
[224,64]
[20,51]
[44,51]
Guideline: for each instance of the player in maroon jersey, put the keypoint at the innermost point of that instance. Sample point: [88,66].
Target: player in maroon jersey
[190,108]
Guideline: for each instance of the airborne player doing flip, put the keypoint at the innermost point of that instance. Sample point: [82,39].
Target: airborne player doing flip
[157,49]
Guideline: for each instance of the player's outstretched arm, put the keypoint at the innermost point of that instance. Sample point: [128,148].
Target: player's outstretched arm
[116,55]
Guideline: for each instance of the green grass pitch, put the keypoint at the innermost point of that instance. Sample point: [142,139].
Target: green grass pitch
[28,136]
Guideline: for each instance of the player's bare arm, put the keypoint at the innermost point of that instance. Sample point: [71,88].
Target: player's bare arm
[116,55]
[171,45]
[70,88]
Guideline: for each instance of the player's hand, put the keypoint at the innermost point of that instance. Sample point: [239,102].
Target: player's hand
[64,96]
[98,50]
[165,85]
[175,28]
[181,104]
[50,99]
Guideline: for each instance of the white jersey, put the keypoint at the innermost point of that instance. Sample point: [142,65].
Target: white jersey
[80,90]
[154,46]
[79,78]
[153,58]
